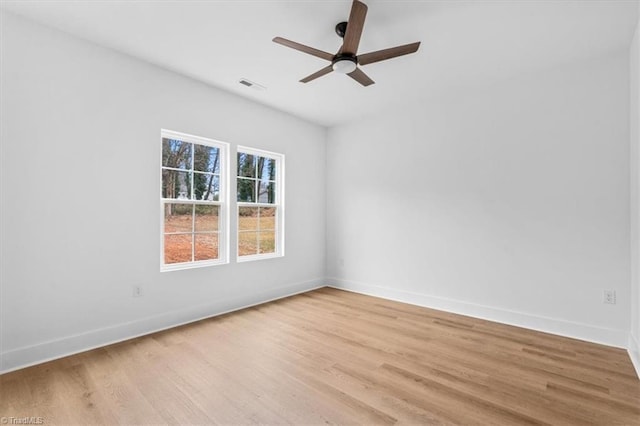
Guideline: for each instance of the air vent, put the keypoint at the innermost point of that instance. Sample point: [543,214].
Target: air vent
[249,83]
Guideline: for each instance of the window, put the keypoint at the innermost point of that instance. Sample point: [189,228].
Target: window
[193,201]
[260,195]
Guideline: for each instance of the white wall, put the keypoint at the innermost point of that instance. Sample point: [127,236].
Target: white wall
[80,196]
[509,202]
[634,98]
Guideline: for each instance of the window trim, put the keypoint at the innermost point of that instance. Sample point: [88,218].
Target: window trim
[279,204]
[222,203]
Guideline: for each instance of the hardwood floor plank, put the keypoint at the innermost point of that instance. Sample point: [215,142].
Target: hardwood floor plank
[126,400]
[333,357]
[398,357]
[145,364]
[282,391]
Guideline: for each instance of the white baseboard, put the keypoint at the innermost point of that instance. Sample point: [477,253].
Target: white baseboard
[590,333]
[26,356]
[634,353]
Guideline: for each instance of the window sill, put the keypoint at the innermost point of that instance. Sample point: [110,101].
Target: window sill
[192,265]
[254,257]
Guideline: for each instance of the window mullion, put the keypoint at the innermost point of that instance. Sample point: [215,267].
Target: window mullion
[258,228]
[247,204]
[193,156]
[195,202]
[193,232]
[193,207]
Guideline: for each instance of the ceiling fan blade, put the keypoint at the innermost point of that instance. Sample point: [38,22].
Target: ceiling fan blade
[393,52]
[323,71]
[302,48]
[361,77]
[354,28]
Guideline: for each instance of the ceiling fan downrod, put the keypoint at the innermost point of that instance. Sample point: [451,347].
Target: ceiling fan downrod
[341,29]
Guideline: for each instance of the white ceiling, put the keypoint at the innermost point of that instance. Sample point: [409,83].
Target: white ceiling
[463,43]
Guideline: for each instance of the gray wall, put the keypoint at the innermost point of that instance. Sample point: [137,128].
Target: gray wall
[80,199]
[634,339]
[508,202]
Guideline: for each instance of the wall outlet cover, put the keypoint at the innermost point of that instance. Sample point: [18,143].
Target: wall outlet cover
[609,297]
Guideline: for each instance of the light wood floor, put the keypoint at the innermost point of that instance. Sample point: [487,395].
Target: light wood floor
[330,356]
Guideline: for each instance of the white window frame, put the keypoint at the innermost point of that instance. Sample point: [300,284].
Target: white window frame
[278,204]
[222,203]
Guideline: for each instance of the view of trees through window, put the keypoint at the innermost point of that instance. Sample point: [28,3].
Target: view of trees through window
[256,178]
[195,223]
[257,209]
[191,195]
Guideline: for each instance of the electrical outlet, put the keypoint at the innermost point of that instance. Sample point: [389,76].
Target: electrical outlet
[137,291]
[609,297]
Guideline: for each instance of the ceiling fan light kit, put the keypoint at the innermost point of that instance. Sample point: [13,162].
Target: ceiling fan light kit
[346,61]
[344,64]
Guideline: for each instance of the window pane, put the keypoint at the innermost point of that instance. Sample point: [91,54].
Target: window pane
[206,187]
[267,242]
[256,183]
[248,218]
[266,168]
[246,190]
[176,184]
[267,192]
[206,218]
[176,154]
[247,243]
[267,218]
[178,217]
[246,165]
[206,247]
[177,248]
[206,159]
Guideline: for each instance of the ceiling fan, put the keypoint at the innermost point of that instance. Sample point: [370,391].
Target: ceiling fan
[346,61]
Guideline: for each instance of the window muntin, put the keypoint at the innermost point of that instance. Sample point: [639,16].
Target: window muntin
[193,201]
[260,204]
